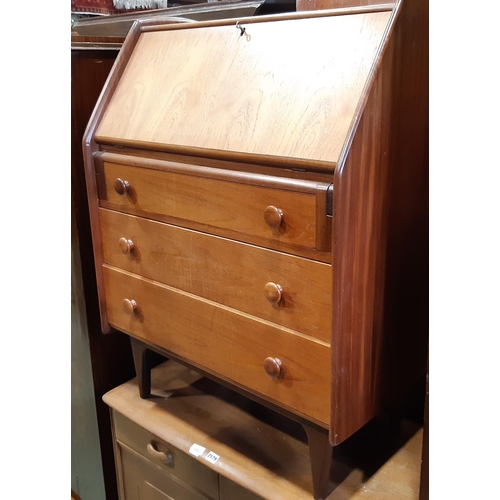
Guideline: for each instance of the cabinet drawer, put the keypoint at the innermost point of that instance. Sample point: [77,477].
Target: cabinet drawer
[232,491]
[282,288]
[177,463]
[142,479]
[231,345]
[293,213]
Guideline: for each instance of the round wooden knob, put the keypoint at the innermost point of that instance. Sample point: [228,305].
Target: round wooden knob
[272,367]
[121,186]
[273,292]
[126,245]
[130,306]
[273,216]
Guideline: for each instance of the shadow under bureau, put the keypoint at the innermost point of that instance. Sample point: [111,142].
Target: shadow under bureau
[257,191]
[194,439]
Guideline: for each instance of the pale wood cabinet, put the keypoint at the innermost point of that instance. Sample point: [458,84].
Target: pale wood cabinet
[255,454]
[257,190]
[150,469]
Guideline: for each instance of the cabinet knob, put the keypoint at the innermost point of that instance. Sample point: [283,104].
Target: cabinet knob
[273,292]
[272,367]
[273,216]
[121,186]
[126,245]
[159,455]
[130,306]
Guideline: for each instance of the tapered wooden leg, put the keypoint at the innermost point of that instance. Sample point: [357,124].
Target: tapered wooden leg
[142,364]
[320,452]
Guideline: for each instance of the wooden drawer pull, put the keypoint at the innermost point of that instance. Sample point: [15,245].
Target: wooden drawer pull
[272,367]
[273,292]
[159,455]
[126,245]
[121,186]
[130,306]
[273,216]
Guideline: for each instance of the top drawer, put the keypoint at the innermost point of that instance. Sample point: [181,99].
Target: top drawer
[165,456]
[248,207]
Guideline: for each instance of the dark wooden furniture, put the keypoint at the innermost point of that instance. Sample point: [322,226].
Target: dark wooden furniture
[110,355]
[258,196]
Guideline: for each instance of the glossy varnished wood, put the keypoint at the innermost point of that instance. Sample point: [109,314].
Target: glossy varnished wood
[233,274]
[280,179]
[177,101]
[380,225]
[214,202]
[241,165]
[89,147]
[379,206]
[229,344]
[320,453]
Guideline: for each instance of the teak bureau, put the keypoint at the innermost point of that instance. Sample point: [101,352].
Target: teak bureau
[258,200]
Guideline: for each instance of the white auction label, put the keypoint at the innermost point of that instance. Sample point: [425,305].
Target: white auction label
[196,450]
[212,457]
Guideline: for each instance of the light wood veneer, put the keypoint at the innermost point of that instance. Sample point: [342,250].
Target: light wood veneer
[223,341]
[268,94]
[242,208]
[224,271]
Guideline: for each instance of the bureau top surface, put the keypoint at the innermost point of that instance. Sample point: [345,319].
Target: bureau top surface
[282,88]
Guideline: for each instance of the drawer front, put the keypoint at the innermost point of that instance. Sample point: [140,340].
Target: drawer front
[242,208]
[285,289]
[231,345]
[232,491]
[177,463]
[144,480]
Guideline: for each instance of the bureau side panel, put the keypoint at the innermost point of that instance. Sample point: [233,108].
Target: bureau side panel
[380,225]
[89,147]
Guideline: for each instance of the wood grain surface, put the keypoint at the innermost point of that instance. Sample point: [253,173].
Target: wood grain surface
[380,225]
[268,95]
[144,480]
[89,147]
[264,452]
[230,273]
[185,467]
[219,203]
[225,342]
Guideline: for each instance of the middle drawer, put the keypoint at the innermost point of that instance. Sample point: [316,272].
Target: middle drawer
[291,291]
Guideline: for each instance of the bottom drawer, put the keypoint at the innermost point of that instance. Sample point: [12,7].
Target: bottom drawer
[230,344]
[144,480]
[233,491]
